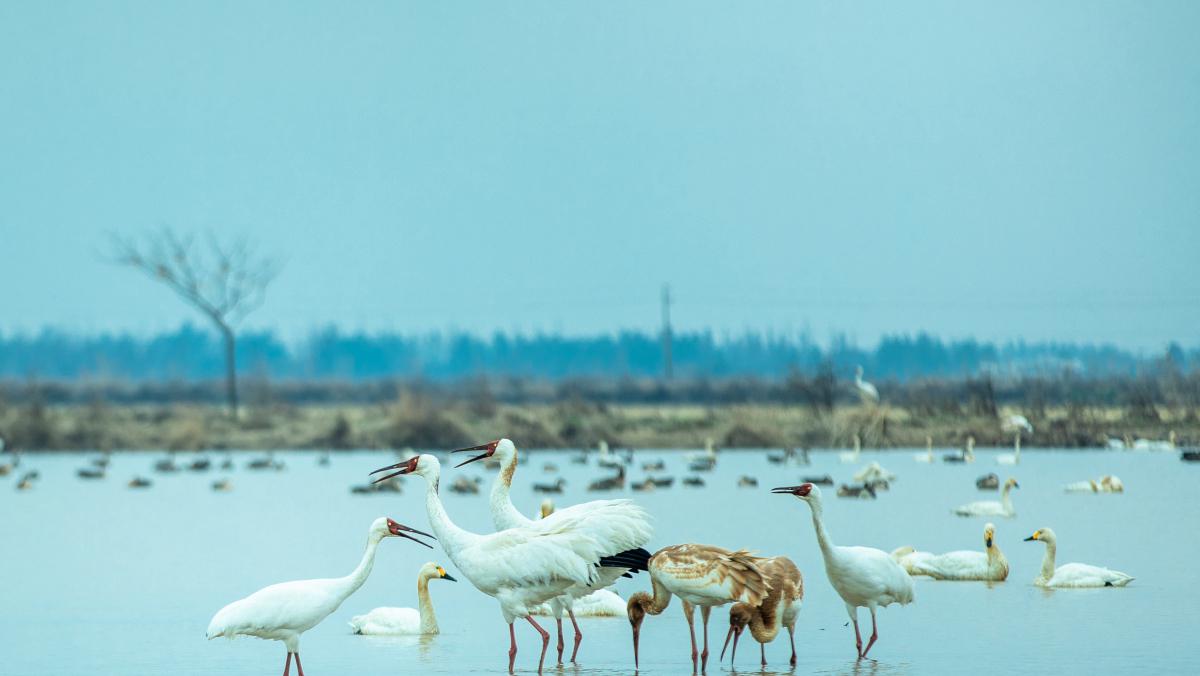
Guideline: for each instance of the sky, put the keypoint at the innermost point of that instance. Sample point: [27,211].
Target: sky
[1017,170]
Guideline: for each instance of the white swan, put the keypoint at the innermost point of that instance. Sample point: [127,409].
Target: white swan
[873,473]
[927,456]
[1154,445]
[989,565]
[600,603]
[420,620]
[1014,458]
[852,456]
[1003,508]
[1105,484]
[1072,574]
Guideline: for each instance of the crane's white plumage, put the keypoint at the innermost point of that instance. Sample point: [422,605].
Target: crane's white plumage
[1002,508]
[866,391]
[284,611]
[593,517]
[420,620]
[526,566]
[862,576]
[989,564]
[1072,574]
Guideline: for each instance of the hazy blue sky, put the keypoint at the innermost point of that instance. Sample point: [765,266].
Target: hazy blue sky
[996,169]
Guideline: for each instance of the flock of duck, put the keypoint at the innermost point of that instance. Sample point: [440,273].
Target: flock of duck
[561,563]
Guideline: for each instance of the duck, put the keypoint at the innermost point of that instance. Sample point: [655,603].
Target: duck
[988,482]
[745,481]
[466,485]
[26,481]
[966,455]
[166,465]
[656,465]
[782,457]
[823,480]
[90,472]
[865,492]
[556,487]
[693,481]
[989,565]
[609,483]
[140,482]
[222,485]
[1072,574]
[200,464]
[398,621]
[1003,508]
[1105,484]
[9,467]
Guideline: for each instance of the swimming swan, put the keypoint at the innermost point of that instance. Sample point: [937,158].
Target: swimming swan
[1072,574]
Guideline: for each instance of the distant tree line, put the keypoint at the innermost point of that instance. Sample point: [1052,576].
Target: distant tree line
[191,355]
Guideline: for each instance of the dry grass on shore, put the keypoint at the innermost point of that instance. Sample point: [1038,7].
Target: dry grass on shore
[414,422]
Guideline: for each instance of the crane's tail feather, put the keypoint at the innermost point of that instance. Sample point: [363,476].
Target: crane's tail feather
[634,559]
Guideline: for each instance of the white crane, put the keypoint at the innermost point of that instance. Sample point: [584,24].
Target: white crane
[1003,508]
[419,620]
[862,576]
[505,515]
[990,564]
[1072,574]
[1015,424]
[284,611]
[866,390]
[527,566]
[700,575]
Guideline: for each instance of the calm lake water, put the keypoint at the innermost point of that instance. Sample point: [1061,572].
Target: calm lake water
[102,579]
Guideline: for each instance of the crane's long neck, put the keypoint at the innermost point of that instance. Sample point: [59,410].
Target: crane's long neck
[654,605]
[451,537]
[350,584]
[429,623]
[1048,559]
[504,513]
[764,623]
[819,525]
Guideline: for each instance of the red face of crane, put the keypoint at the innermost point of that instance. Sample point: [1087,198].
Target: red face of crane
[800,491]
[407,467]
[488,449]
[400,530]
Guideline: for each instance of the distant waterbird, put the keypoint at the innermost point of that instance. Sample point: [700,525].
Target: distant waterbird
[866,391]
[1002,508]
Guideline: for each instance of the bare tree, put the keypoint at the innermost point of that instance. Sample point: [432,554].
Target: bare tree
[224,281]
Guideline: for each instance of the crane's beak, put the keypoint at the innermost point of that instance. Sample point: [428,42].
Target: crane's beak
[404,467]
[486,448]
[400,530]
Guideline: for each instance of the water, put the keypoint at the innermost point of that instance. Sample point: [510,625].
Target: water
[98,578]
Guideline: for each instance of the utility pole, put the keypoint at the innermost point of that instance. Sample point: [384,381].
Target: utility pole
[666,331]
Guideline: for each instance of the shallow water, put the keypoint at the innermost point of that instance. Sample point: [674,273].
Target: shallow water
[99,578]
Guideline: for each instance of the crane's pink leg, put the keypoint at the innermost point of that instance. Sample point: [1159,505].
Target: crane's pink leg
[691,620]
[874,634]
[792,636]
[298,667]
[545,640]
[857,636]
[578,634]
[512,647]
[287,666]
[704,611]
[558,621]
